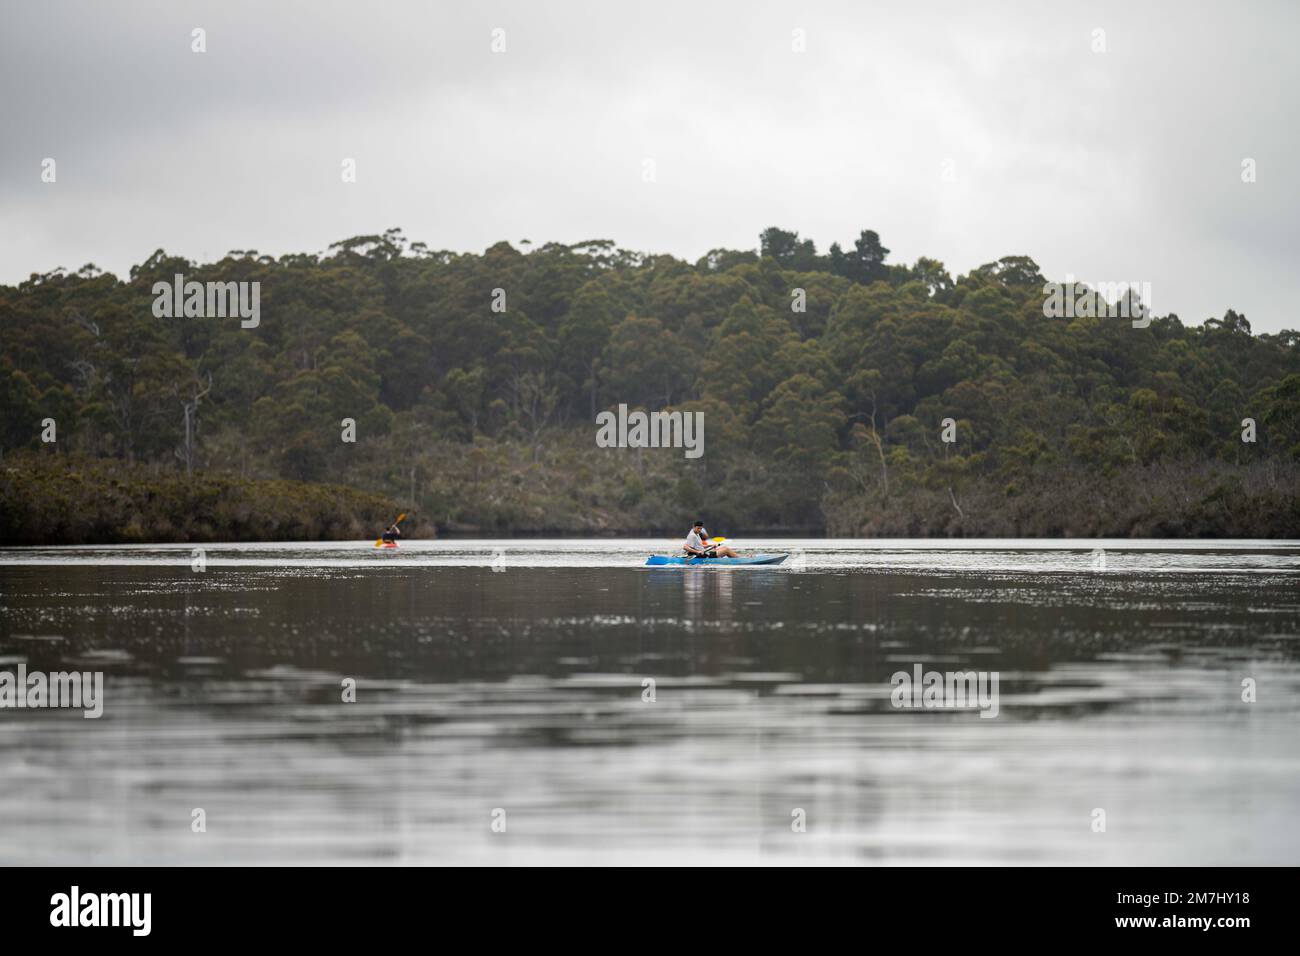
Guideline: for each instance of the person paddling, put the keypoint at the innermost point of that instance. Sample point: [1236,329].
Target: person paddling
[392,532]
[697,544]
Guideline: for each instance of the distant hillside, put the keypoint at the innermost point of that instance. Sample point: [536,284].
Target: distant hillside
[473,383]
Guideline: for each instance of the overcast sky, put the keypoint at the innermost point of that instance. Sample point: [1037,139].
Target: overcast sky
[1110,166]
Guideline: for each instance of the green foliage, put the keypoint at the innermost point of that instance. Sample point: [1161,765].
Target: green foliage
[62,499]
[829,418]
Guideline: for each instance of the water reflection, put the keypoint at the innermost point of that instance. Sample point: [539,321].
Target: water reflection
[525,690]
[707,592]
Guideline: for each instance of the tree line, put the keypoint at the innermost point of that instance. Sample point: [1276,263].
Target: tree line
[841,393]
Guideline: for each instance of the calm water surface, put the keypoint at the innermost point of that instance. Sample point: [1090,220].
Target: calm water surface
[508,675]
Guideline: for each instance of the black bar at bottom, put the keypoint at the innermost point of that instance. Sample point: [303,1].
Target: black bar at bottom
[326,904]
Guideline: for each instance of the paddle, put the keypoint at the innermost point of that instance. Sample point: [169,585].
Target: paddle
[713,542]
[379,542]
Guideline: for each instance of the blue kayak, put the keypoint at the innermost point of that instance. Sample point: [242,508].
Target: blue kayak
[661,560]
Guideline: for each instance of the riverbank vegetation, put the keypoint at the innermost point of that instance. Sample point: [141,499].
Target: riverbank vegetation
[829,384]
[48,499]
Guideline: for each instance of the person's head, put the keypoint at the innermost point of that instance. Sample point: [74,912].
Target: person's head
[698,526]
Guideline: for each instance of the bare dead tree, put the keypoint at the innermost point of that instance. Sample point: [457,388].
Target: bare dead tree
[86,372]
[89,325]
[190,404]
[961,514]
[534,401]
[873,436]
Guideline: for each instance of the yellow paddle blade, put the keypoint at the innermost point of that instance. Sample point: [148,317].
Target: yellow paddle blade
[717,540]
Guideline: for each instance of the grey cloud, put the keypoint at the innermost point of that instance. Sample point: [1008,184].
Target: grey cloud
[1114,166]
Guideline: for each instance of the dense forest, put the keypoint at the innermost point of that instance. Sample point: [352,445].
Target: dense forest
[841,394]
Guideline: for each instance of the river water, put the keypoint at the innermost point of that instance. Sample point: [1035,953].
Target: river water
[555,702]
